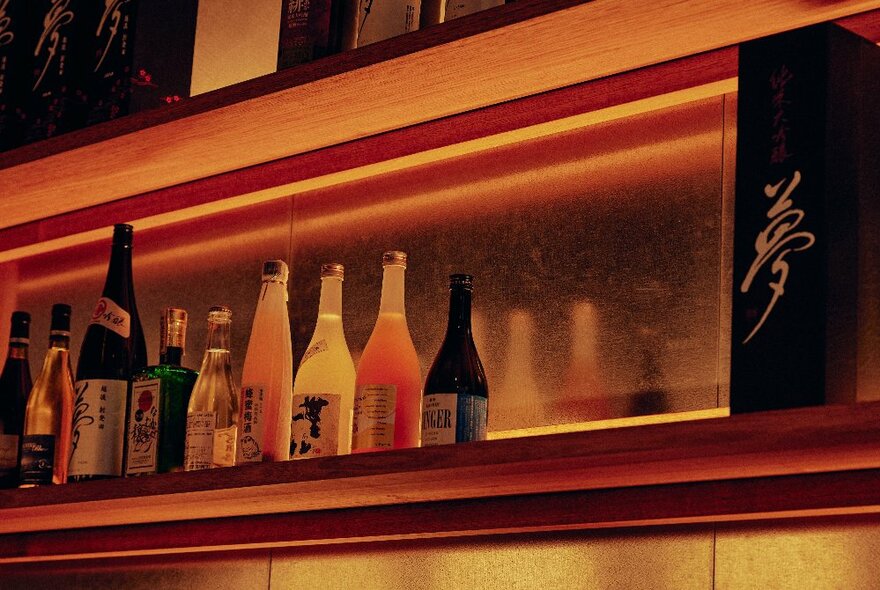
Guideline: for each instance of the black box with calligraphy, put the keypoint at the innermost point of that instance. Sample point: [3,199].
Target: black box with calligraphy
[15,65]
[806,280]
[56,102]
[143,55]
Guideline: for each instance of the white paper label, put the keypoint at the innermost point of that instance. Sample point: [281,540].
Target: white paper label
[98,427]
[374,407]
[224,446]
[252,423]
[199,447]
[108,314]
[8,452]
[439,411]
[314,428]
[143,427]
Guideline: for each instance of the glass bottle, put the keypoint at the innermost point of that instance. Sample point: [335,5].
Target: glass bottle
[387,403]
[212,413]
[159,398]
[45,443]
[15,385]
[267,377]
[323,392]
[455,404]
[113,348]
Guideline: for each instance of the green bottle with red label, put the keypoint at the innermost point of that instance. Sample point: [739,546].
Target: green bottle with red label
[156,425]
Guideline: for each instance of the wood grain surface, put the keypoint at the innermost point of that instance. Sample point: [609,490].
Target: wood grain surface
[822,440]
[795,463]
[525,57]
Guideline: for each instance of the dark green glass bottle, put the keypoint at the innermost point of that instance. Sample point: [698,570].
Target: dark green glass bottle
[156,423]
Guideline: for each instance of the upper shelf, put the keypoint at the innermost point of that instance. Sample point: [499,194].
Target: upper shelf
[805,462]
[519,50]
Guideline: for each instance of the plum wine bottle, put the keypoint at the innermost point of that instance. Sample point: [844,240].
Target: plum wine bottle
[388,385]
[113,348]
[45,441]
[267,376]
[15,385]
[455,405]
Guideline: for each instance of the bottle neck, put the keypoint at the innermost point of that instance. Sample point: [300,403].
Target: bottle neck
[17,350]
[459,313]
[172,355]
[393,290]
[59,341]
[331,297]
[218,336]
[119,285]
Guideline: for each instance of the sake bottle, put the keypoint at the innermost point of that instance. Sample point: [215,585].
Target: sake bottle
[212,412]
[323,392]
[113,348]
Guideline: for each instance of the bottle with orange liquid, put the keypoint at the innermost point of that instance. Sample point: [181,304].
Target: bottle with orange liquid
[388,387]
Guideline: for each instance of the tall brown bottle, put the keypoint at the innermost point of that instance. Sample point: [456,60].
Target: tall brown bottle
[112,350]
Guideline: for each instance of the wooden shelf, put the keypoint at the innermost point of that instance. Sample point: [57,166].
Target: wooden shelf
[426,76]
[805,462]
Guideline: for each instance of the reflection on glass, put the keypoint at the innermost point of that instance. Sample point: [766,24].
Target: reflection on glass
[520,400]
[584,393]
[650,396]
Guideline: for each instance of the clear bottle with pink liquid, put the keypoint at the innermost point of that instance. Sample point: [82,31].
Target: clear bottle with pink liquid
[388,387]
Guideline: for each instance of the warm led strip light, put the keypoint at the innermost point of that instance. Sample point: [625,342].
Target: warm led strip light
[507,138]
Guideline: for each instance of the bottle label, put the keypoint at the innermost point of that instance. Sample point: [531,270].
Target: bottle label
[108,314]
[439,412]
[98,427]
[143,427]
[252,423]
[314,429]
[317,347]
[37,459]
[8,452]
[224,446]
[472,418]
[373,426]
[199,447]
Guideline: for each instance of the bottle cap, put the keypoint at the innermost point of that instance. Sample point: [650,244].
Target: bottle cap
[394,258]
[122,234]
[333,269]
[219,313]
[173,329]
[275,271]
[60,320]
[463,281]
[20,329]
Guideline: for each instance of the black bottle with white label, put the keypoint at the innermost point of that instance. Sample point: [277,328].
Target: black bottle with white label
[455,403]
[112,350]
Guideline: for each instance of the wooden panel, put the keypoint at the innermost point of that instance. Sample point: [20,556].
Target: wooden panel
[813,440]
[851,492]
[584,42]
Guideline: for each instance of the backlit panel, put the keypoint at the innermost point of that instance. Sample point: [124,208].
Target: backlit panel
[671,558]
[605,239]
